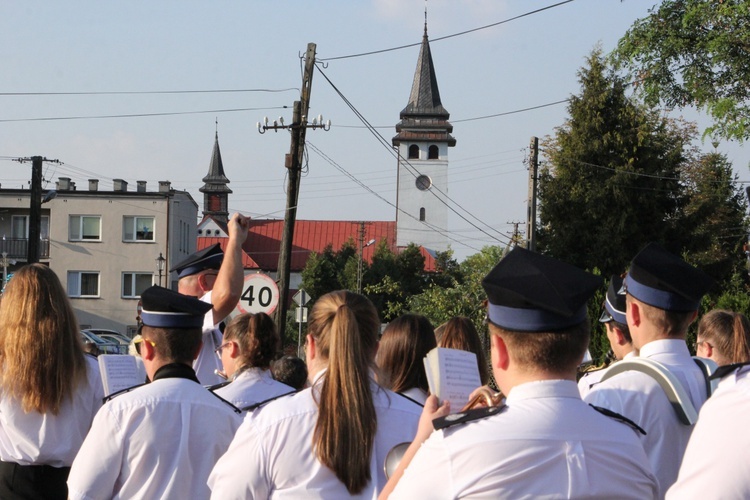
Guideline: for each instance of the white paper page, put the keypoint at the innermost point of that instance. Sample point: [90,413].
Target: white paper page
[459,376]
[119,372]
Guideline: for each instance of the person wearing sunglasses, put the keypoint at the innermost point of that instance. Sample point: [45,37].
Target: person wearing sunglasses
[250,344]
[618,334]
[215,277]
[161,439]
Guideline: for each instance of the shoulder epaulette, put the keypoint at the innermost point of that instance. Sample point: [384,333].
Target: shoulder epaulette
[466,416]
[234,408]
[410,399]
[617,416]
[258,405]
[120,392]
[212,388]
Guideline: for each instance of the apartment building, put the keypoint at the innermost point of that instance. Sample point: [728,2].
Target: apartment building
[106,246]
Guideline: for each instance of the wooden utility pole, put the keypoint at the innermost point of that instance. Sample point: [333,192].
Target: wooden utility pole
[531,208]
[35,210]
[293,163]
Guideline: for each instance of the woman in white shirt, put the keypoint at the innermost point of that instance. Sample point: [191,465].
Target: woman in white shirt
[403,346]
[250,344]
[49,390]
[330,440]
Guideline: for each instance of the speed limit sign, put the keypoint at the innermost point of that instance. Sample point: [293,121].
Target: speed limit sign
[259,294]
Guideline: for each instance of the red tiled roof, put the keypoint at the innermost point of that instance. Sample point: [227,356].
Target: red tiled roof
[264,241]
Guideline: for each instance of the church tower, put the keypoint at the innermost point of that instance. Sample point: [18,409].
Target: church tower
[423,138]
[215,190]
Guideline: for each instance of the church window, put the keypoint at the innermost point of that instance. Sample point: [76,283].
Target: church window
[433,152]
[422,214]
[423,182]
[414,152]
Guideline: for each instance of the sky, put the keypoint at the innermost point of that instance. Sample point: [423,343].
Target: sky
[137,90]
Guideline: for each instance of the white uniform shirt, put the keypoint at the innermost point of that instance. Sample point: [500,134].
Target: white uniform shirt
[547,443]
[207,360]
[590,379]
[46,439]
[717,456]
[251,386]
[641,399]
[160,440]
[272,454]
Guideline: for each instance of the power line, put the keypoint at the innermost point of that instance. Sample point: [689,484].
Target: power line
[381,51]
[137,115]
[148,92]
[411,169]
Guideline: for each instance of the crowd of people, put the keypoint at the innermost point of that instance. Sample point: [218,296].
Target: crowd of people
[325,426]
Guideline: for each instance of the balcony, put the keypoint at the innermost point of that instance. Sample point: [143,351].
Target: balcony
[18,248]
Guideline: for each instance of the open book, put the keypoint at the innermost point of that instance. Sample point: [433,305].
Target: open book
[120,372]
[452,375]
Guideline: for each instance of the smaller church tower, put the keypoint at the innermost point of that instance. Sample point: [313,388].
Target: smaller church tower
[215,190]
[423,138]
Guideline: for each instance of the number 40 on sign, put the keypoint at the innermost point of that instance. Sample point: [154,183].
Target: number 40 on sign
[259,294]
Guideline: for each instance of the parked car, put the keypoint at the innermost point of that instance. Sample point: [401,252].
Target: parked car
[98,345]
[112,336]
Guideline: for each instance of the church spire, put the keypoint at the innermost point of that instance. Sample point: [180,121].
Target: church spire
[215,190]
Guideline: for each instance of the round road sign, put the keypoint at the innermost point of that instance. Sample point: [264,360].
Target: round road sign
[259,294]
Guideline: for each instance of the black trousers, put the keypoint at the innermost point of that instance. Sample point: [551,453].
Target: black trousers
[33,482]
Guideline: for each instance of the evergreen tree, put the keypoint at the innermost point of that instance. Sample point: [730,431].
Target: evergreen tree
[610,183]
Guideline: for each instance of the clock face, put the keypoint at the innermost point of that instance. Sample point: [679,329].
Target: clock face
[423,183]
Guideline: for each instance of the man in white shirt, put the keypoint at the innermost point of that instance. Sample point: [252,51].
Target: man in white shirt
[216,277]
[545,442]
[618,334]
[715,462]
[663,295]
[161,439]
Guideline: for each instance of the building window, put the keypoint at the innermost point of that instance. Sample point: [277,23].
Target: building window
[19,227]
[422,215]
[414,152]
[83,283]
[85,228]
[433,153]
[133,284]
[137,228]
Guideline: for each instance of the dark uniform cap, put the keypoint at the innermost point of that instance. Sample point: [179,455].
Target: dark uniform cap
[614,304]
[663,280]
[164,308]
[529,292]
[208,258]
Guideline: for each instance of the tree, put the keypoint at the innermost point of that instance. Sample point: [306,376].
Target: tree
[610,183]
[694,53]
[714,220]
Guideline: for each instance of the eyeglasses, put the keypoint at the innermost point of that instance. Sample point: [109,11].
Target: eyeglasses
[137,343]
[696,344]
[221,348]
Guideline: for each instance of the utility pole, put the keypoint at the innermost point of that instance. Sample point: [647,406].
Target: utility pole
[531,208]
[35,207]
[293,163]
[359,259]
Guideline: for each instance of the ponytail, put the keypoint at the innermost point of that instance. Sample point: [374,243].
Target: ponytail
[345,326]
[740,339]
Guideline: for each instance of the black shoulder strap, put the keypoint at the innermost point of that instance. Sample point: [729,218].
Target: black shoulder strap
[212,388]
[234,408]
[725,370]
[123,391]
[258,405]
[410,399]
[707,367]
[466,416]
[617,416]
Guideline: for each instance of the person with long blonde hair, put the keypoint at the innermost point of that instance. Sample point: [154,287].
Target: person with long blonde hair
[49,389]
[332,438]
[250,344]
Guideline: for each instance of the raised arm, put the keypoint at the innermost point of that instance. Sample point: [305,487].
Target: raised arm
[228,286]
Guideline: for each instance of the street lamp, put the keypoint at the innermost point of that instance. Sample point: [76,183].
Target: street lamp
[160,261]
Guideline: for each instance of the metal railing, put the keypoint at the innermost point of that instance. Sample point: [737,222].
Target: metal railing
[18,248]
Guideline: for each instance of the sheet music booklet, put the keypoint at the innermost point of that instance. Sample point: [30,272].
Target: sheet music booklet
[452,375]
[120,371]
